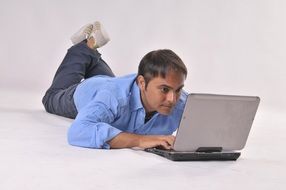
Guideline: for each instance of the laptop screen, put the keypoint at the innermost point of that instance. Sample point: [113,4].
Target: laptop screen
[213,121]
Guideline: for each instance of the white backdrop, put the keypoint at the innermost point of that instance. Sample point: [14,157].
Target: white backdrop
[229,46]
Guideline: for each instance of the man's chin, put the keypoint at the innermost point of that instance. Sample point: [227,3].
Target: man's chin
[164,110]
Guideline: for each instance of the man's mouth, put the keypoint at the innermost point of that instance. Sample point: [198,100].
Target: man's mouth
[168,106]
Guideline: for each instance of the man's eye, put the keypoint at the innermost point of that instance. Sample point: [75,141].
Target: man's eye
[178,91]
[165,90]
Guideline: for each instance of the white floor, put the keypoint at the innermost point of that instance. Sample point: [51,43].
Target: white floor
[34,154]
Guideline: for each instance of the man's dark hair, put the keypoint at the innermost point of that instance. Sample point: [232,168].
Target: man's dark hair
[159,63]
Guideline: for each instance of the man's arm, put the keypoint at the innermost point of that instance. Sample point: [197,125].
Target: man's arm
[91,128]
[129,140]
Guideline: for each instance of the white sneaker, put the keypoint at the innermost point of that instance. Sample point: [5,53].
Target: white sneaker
[99,34]
[83,33]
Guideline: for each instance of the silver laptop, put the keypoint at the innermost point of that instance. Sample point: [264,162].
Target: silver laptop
[212,127]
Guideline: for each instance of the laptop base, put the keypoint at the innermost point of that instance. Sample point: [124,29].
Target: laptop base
[195,156]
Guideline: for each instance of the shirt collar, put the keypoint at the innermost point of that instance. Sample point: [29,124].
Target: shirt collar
[135,99]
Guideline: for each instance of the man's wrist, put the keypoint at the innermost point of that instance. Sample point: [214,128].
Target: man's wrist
[126,140]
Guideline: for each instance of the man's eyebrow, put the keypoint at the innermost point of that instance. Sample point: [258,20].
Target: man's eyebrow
[166,86]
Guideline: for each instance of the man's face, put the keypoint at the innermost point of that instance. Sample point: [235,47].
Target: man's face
[161,94]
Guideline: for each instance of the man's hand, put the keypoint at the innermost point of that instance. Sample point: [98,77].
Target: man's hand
[128,140]
[150,141]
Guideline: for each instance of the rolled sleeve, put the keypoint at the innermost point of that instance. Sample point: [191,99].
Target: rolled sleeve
[92,127]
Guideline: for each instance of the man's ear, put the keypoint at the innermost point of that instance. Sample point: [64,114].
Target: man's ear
[141,82]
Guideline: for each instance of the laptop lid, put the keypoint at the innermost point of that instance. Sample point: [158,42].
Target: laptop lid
[211,121]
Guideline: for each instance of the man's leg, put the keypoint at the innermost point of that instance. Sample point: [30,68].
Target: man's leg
[80,62]
[98,66]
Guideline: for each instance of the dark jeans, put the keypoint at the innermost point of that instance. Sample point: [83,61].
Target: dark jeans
[80,62]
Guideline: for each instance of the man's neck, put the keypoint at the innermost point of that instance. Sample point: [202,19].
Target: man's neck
[149,115]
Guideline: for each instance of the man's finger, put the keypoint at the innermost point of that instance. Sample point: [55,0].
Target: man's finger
[166,145]
[170,140]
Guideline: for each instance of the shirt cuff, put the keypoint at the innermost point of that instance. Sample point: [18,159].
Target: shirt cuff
[111,133]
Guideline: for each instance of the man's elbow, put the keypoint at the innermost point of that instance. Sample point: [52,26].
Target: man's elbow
[75,139]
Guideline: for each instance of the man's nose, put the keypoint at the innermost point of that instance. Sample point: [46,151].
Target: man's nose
[171,97]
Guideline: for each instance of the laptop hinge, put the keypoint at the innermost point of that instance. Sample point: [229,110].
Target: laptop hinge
[209,149]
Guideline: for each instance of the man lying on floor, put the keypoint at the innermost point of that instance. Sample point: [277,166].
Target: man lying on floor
[138,110]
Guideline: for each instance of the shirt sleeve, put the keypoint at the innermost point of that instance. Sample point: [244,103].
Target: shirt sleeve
[91,128]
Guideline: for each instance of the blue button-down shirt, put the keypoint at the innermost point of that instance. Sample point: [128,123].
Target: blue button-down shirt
[110,105]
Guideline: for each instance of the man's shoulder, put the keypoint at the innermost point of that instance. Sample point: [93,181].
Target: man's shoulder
[123,83]
[118,79]
[119,87]
[103,80]
[183,99]
[129,77]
